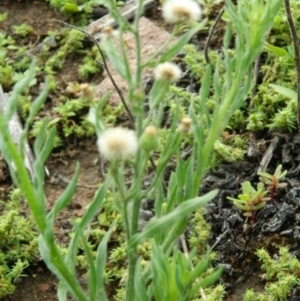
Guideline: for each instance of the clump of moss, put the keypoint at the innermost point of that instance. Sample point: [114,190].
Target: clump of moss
[18,242]
[282,275]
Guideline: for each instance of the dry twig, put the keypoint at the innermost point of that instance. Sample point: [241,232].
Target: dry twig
[112,80]
[268,155]
[105,67]
[210,34]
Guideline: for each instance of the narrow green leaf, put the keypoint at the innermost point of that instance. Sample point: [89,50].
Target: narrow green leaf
[172,192]
[23,84]
[184,39]
[200,268]
[86,219]
[94,207]
[277,50]
[212,278]
[62,291]
[179,280]
[140,285]
[284,91]
[64,199]
[205,90]
[101,258]
[40,139]
[92,273]
[189,179]
[179,213]
[47,146]
[180,171]
[37,104]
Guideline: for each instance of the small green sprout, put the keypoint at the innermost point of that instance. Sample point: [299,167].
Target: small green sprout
[251,199]
[23,30]
[273,181]
[3,17]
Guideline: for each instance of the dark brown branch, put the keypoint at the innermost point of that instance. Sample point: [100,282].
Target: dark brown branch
[295,40]
[210,34]
[105,67]
[110,77]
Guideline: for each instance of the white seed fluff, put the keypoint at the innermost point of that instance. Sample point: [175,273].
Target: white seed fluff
[117,143]
[175,11]
[167,72]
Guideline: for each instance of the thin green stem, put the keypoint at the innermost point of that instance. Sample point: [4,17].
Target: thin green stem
[120,186]
[125,58]
[138,50]
[130,289]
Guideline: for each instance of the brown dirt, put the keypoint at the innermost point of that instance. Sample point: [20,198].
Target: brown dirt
[34,13]
[39,283]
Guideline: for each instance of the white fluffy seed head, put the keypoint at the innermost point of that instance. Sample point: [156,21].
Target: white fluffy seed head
[176,11]
[117,143]
[167,72]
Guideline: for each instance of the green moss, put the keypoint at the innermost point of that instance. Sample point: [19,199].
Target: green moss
[282,274]
[18,242]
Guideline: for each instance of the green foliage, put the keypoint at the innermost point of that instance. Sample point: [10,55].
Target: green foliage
[195,60]
[149,259]
[253,199]
[91,63]
[3,17]
[23,30]
[6,76]
[281,32]
[18,242]
[285,119]
[67,121]
[209,5]
[216,293]
[15,60]
[78,9]
[282,274]
[228,153]
[272,181]
[269,108]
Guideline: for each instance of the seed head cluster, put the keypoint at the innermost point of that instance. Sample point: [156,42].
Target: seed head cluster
[117,143]
[176,11]
[167,72]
